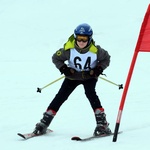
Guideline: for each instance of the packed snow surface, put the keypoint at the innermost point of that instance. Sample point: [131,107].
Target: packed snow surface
[30,32]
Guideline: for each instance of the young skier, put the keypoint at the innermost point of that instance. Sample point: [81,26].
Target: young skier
[86,61]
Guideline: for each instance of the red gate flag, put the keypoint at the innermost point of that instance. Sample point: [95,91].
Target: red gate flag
[143,45]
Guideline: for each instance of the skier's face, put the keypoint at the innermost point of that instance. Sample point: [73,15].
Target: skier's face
[82,41]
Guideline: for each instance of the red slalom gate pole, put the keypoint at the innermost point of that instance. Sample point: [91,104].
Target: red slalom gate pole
[124,96]
[143,45]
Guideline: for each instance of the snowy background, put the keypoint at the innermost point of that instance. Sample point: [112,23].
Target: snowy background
[30,32]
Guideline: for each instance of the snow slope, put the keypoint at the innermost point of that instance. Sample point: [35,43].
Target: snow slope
[30,32]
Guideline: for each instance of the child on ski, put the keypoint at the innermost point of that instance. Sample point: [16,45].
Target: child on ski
[86,61]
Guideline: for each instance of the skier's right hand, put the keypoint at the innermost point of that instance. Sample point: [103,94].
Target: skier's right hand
[67,71]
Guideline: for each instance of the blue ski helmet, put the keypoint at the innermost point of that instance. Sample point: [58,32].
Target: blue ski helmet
[83,29]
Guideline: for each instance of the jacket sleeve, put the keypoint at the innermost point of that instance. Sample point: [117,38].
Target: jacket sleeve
[103,58]
[60,57]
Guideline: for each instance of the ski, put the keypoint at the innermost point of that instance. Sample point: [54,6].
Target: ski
[31,135]
[76,138]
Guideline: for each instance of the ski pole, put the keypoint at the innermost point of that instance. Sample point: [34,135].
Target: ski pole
[119,85]
[40,89]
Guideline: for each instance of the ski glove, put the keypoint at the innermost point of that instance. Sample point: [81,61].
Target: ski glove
[67,71]
[95,72]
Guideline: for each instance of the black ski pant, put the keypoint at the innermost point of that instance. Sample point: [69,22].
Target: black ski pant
[67,88]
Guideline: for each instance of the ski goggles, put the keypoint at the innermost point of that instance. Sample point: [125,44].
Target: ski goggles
[82,38]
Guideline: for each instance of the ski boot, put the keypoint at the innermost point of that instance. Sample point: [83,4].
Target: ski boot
[102,124]
[42,126]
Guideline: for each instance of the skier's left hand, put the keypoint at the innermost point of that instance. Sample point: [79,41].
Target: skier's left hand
[95,72]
